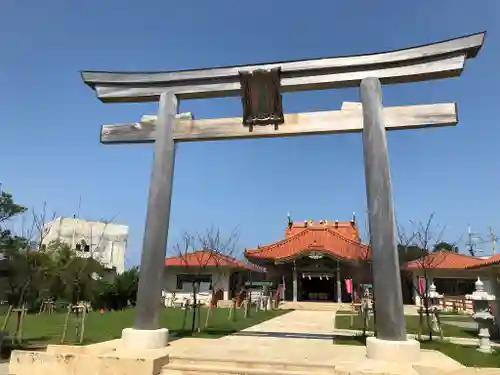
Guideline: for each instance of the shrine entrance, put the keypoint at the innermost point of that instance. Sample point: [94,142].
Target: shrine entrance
[317,287]
[321,279]
[260,88]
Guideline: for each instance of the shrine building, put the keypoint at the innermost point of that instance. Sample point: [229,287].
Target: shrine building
[314,260]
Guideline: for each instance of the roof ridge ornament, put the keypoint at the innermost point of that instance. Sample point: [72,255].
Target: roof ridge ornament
[316,255]
[290,221]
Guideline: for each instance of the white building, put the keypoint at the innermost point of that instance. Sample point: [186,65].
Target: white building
[215,273]
[105,242]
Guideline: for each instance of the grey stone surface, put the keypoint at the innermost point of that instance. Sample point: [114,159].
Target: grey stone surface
[157,218]
[390,320]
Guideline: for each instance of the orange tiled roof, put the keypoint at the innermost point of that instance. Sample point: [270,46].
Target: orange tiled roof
[491,261]
[339,239]
[207,258]
[443,260]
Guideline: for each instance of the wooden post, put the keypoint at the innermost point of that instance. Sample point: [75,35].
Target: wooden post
[22,316]
[66,322]
[339,284]
[7,317]
[247,306]
[198,307]
[440,327]
[420,323]
[390,322]
[157,217]
[82,324]
[295,283]
[232,310]
[18,322]
[209,314]
[184,318]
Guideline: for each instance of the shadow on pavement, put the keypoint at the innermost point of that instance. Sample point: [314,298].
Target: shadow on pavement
[336,339]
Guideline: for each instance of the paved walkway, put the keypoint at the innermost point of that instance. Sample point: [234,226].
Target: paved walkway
[299,322]
[296,337]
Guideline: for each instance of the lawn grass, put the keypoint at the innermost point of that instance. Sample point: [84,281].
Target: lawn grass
[412,326]
[451,316]
[43,329]
[444,315]
[464,354]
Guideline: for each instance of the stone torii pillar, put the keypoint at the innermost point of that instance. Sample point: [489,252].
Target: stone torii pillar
[157,223]
[388,297]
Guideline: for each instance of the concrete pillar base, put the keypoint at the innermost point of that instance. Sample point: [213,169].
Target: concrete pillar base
[393,351]
[105,358]
[139,339]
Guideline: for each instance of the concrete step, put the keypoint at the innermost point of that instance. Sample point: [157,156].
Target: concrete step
[245,366]
[191,369]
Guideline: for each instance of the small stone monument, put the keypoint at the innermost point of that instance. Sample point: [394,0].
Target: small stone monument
[366,309]
[435,307]
[482,315]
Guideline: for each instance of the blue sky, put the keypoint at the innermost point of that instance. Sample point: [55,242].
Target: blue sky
[50,120]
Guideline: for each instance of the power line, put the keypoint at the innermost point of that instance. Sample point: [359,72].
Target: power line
[475,239]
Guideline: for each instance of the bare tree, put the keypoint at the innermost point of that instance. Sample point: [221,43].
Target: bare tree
[203,253]
[41,224]
[417,247]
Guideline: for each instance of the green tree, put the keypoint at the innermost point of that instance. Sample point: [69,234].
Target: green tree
[117,293]
[28,272]
[407,253]
[126,285]
[75,277]
[445,246]
[56,271]
[8,208]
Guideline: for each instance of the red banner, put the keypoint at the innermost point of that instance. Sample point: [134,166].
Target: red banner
[348,285]
[421,285]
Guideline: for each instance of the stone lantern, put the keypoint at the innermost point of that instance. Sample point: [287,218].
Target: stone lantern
[482,315]
[434,302]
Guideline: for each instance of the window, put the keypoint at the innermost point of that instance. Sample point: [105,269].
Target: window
[185,282]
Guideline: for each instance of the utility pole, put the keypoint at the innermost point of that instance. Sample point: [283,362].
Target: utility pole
[493,242]
[472,241]
[75,224]
[470,246]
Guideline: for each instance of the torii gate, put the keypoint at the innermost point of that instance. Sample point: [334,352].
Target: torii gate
[260,87]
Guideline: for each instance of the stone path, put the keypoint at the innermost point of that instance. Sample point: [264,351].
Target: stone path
[298,336]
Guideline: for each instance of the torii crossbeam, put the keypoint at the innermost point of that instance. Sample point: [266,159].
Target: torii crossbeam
[260,87]
[348,120]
